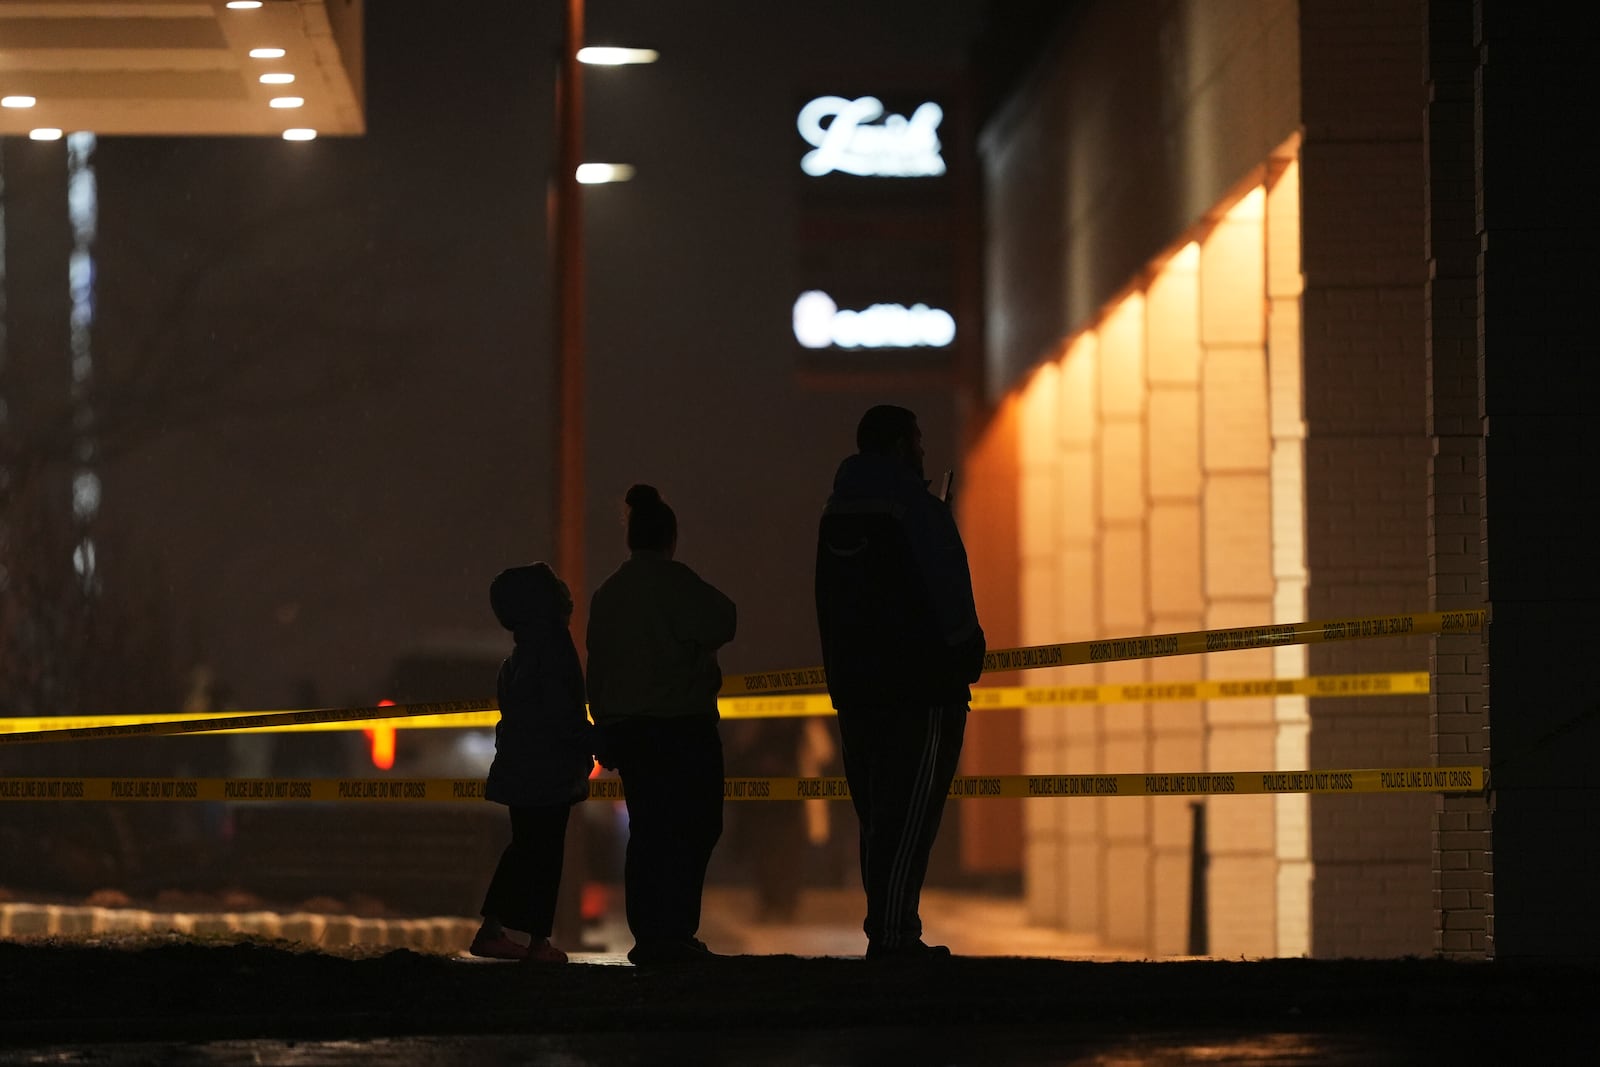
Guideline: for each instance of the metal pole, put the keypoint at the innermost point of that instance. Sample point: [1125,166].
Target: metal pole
[565,208]
[1199,906]
[566,226]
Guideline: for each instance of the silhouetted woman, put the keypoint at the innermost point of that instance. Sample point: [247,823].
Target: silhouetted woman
[654,630]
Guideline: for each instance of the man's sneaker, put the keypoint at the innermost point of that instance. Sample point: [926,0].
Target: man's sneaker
[542,951]
[912,952]
[688,952]
[498,947]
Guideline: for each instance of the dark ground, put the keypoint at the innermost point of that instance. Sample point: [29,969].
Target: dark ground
[93,1000]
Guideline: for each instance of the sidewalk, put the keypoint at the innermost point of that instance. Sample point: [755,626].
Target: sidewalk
[828,923]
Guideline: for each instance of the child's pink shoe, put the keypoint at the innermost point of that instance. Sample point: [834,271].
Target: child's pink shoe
[542,951]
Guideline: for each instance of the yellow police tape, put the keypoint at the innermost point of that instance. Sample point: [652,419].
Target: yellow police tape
[1069,654]
[166,725]
[799,704]
[1180,644]
[965,787]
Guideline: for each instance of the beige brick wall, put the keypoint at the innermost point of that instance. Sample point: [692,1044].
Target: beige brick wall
[1125,549]
[1176,576]
[1160,492]
[1042,509]
[1366,453]
[1236,450]
[1287,430]
[1303,443]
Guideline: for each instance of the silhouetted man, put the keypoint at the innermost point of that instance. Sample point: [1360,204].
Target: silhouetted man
[901,644]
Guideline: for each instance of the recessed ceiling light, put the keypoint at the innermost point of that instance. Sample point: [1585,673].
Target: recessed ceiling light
[266,53]
[17,101]
[45,133]
[287,101]
[276,79]
[244,5]
[299,134]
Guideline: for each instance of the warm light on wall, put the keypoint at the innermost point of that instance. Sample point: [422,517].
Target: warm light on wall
[1040,406]
[1146,503]
[1252,206]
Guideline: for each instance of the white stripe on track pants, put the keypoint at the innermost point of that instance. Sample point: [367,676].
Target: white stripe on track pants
[899,762]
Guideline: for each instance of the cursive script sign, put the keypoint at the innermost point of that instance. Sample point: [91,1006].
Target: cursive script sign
[847,136]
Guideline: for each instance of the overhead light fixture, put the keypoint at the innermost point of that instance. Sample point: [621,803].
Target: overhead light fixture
[44,133]
[17,101]
[276,79]
[299,134]
[287,101]
[617,57]
[266,53]
[602,173]
[243,5]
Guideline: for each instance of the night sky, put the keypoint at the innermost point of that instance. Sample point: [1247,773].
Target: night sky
[352,431]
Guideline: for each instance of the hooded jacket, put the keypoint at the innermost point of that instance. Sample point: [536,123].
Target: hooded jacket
[893,592]
[543,742]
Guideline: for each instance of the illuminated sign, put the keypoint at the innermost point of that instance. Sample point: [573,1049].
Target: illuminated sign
[847,137]
[820,323]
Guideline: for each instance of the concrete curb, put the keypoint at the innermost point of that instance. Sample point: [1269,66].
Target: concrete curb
[441,934]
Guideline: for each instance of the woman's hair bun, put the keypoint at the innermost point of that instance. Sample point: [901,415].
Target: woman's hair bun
[642,495]
[652,526]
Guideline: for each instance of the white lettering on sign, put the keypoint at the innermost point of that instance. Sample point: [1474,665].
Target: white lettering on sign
[854,142]
[820,323]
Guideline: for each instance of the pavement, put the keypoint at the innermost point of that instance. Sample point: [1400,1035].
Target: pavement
[791,993]
[827,922]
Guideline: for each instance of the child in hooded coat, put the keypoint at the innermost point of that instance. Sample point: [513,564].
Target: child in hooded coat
[541,764]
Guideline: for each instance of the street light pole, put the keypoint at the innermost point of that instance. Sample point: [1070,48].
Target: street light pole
[565,226]
[565,208]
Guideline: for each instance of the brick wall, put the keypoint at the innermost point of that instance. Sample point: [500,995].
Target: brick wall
[1455,429]
[1154,481]
[1366,453]
[1159,489]
[1536,227]
[1448,387]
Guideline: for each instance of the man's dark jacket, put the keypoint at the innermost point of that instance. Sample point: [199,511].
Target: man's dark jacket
[893,591]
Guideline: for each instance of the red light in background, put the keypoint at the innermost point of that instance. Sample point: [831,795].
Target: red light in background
[594,900]
[381,741]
